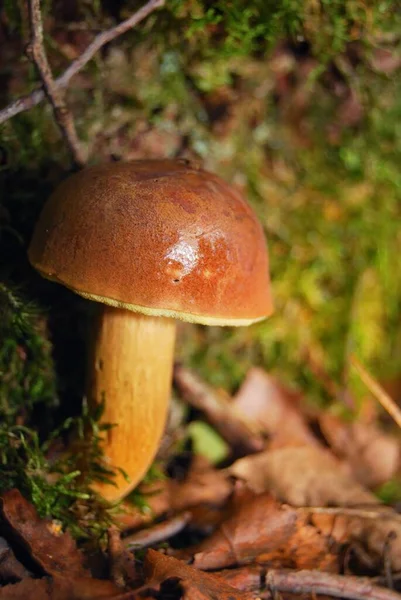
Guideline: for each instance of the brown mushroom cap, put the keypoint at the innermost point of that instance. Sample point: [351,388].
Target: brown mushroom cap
[159,237]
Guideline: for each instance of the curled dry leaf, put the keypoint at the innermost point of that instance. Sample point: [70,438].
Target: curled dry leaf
[372,455]
[310,476]
[166,572]
[261,530]
[54,552]
[274,409]
[202,485]
[51,549]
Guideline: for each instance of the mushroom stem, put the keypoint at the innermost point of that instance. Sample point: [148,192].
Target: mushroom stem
[130,372]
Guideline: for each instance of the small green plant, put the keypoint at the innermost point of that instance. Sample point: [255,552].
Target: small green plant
[57,477]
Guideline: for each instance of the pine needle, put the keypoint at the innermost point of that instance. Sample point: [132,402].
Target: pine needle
[378,392]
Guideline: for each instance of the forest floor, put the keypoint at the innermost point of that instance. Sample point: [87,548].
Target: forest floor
[295,492]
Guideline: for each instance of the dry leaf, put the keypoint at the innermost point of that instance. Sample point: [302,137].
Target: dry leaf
[309,476]
[56,554]
[203,485]
[274,409]
[167,572]
[29,589]
[247,579]
[259,529]
[304,476]
[373,456]
[233,425]
[50,549]
[60,588]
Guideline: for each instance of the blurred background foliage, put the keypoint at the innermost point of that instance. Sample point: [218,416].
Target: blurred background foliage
[297,102]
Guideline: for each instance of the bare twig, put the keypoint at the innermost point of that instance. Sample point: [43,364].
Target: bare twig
[338,586]
[27,102]
[121,561]
[36,52]
[157,533]
[257,579]
[378,392]
[385,513]
[231,423]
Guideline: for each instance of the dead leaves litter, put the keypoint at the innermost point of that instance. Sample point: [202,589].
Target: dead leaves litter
[289,519]
[259,529]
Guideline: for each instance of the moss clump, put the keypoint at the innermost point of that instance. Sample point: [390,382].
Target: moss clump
[26,365]
[56,478]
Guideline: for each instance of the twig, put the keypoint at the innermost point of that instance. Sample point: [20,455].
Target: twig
[232,425]
[36,52]
[376,389]
[157,533]
[337,586]
[387,514]
[121,563]
[27,102]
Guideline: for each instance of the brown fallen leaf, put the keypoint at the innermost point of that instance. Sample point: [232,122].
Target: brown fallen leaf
[168,572]
[304,476]
[232,424]
[261,530]
[53,551]
[203,485]
[274,409]
[310,476]
[247,579]
[60,588]
[372,455]
[29,589]
[50,549]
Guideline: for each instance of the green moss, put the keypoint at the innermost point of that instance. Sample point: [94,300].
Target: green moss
[57,480]
[26,365]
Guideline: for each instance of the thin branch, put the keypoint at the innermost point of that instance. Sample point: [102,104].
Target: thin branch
[36,52]
[386,513]
[337,586]
[158,533]
[121,564]
[376,389]
[27,102]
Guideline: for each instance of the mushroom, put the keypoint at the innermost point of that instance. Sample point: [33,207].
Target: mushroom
[150,241]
